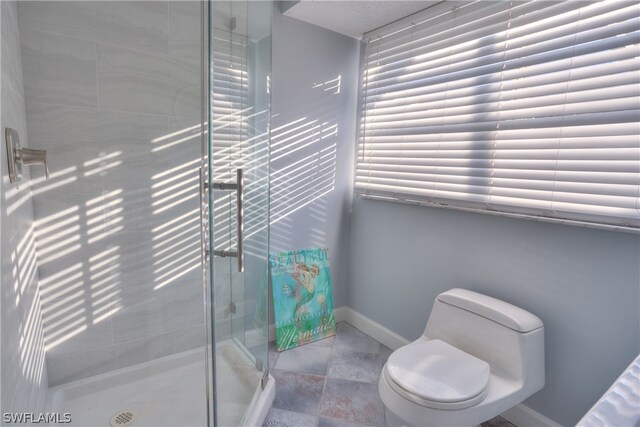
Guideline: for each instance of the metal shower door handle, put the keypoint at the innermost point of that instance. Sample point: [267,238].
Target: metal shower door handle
[239,187]
[240,218]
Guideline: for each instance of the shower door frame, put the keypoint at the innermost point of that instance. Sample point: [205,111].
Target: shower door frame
[207,198]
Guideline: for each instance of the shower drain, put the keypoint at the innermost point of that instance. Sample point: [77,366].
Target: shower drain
[122,418]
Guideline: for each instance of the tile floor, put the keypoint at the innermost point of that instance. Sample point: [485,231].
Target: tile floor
[332,383]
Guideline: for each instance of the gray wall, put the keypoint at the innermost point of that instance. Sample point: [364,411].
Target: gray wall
[112,93]
[24,375]
[313,127]
[584,284]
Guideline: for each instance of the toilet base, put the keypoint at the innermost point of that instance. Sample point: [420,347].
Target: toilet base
[392,420]
[410,414]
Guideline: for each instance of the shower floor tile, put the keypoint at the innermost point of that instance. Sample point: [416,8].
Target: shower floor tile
[344,394]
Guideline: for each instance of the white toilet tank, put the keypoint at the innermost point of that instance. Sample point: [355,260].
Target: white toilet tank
[507,337]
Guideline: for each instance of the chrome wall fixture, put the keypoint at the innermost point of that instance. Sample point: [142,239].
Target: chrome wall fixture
[18,156]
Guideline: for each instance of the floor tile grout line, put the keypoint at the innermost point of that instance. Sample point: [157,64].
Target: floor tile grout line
[354,381]
[324,386]
[298,373]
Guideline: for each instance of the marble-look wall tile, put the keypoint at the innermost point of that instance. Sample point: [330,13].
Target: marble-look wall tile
[184,304]
[142,311]
[58,70]
[222,287]
[123,138]
[11,57]
[95,153]
[9,356]
[139,314]
[13,116]
[118,223]
[187,339]
[24,375]
[72,328]
[223,329]
[134,24]
[139,351]
[131,80]
[70,367]
[185,145]
[184,30]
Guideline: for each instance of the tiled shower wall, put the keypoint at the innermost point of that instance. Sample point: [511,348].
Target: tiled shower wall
[24,376]
[113,93]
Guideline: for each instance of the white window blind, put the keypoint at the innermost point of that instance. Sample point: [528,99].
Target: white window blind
[526,108]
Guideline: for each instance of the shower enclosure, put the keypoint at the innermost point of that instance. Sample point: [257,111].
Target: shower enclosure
[238,184]
[134,276]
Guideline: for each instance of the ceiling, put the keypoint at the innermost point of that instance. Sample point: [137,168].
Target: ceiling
[353,18]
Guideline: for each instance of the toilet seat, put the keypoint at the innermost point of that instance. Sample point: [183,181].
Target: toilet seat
[437,375]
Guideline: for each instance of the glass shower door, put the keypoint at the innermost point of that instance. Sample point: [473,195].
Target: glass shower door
[238,179]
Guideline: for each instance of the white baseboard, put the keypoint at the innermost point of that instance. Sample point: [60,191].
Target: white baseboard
[523,416]
[340,313]
[373,329]
[366,325]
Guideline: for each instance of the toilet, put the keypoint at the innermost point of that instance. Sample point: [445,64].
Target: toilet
[478,357]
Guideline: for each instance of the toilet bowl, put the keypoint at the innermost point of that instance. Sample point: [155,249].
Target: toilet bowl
[477,357]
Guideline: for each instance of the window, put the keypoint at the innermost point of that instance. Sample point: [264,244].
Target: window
[523,108]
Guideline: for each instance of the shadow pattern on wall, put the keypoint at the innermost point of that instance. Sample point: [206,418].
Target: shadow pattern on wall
[118,110]
[303,156]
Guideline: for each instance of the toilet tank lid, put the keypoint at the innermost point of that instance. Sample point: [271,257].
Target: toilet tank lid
[494,309]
